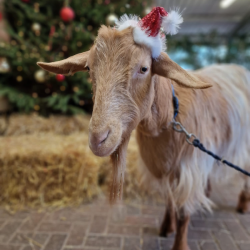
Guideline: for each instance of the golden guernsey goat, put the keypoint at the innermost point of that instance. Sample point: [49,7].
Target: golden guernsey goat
[132,90]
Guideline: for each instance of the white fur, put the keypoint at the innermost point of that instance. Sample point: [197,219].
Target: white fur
[171,22]
[126,21]
[195,168]
[156,44]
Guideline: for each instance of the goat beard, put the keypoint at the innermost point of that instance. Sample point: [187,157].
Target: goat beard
[118,159]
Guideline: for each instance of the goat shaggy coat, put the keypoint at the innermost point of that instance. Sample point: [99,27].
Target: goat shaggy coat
[127,98]
[220,118]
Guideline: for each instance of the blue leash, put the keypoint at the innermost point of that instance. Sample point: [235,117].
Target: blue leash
[196,143]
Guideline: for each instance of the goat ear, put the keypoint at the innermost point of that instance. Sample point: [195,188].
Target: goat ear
[67,66]
[165,67]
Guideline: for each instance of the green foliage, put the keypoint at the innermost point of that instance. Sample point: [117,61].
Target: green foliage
[72,95]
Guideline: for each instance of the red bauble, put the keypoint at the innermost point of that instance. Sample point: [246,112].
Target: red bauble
[60,78]
[1,16]
[67,14]
[25,1]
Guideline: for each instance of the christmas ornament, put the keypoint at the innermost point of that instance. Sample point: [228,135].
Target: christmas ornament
[111,19]
[40,76]
[81,102]
[4,65]
[1,16]
[147,10]
[36,7]
[67,14]
[19,78]
[60,78]
[36,107]
[34,95]
[147,30]
[25,1]
[36,27]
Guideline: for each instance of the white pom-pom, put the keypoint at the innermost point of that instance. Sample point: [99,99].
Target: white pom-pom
[171,22]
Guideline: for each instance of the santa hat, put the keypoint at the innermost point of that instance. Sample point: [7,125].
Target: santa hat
[147,30]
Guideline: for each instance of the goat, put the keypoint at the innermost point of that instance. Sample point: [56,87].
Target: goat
[132,90]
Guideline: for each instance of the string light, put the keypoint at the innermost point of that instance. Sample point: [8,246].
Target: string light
[89,27]
[75,89]
[79,44]
[19,78]
[36,107]
[64,48]
[81,102]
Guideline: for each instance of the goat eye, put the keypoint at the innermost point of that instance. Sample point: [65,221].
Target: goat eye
[144,70]
[88,68]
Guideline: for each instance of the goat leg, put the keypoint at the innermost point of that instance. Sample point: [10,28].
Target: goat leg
[180,242]
[168,225]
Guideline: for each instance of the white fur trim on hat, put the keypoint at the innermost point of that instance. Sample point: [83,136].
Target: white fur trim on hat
[156,44]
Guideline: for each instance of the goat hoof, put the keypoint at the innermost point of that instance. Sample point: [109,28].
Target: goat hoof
[186,247]
[242,210]
[166,232]
[163,234]
[244,203]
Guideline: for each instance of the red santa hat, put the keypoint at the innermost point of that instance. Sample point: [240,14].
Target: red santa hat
[147,31]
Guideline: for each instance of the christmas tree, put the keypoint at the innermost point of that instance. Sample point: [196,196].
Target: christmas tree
[48,31]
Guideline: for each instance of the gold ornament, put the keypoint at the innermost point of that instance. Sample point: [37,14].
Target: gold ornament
[89,27]
[79,44]
[111,19]
[20,33]
[36,28]
[64,48]
[4,65]
[75,89]
[36,7]
[19,78]
[81,102]
[40,76]
[36,107]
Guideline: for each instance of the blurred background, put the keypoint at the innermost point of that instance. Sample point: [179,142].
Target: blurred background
[44,154]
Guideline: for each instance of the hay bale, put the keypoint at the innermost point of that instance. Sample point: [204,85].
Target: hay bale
[20,124]
[46,162]
[47,170]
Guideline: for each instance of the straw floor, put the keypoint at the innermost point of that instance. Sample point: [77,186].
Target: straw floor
[46,162]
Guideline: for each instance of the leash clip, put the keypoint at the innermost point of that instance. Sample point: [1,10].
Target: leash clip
[183,130]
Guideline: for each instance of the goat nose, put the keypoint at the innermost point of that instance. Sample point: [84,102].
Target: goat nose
[98,138]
